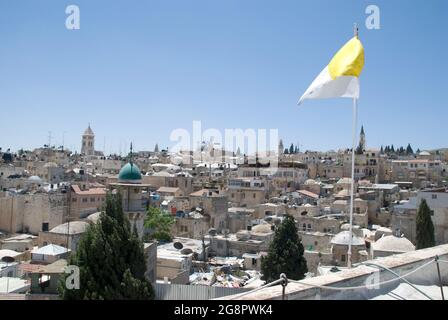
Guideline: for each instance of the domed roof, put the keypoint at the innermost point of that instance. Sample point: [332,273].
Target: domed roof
[424,153]
[88,131]
[130,173]
[310,182]
[343,238]
[35,179]
[75,227]
[262,228]
[344,181]
[50,165]
[393,243]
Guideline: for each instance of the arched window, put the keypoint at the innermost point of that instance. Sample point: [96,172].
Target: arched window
[304,227]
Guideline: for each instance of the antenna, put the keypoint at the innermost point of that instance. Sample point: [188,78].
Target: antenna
[49,139]
[355,30]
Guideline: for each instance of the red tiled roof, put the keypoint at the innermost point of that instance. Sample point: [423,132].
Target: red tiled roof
[308,194]
[91,191]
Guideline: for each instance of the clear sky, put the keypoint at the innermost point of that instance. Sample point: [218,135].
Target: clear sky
[137,69]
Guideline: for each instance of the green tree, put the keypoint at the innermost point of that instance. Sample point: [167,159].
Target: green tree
[291,148]
[285,253]
[425,228]
[159,222]
[409,149]
[110,258]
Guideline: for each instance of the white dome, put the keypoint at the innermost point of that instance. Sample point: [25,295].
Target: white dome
[50,165]
[310,182]
[262,228]
[424,153]
[343,238]
[35,179]
[393,243]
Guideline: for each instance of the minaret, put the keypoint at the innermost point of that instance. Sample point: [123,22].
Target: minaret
[88,142]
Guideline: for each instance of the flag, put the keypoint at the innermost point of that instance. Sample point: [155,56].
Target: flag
[340,77]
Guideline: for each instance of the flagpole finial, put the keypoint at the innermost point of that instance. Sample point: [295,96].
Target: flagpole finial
[355,30]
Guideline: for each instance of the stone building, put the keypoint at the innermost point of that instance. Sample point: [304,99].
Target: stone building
[339,248]
[65,235]
[85,200]
[32,213]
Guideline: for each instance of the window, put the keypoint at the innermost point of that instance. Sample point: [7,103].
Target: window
[342,257]
[434,196]
[92,199]
[304,227]
[74,199]
[254,195]
[84,200]
[309,226]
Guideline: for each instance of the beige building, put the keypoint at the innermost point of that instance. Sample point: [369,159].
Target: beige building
[31,213]
[65,235]
[85,200]
[247,192]
[339,248]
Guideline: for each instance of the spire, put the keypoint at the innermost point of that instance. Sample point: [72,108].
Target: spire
[362,129]
[130,154]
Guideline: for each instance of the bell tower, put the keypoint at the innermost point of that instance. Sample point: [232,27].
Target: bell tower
[88,142]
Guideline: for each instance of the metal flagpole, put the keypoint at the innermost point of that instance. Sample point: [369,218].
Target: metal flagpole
[352,191]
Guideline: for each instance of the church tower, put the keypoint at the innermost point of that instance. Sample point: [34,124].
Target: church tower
[88,142]
[362,139]
[280,147]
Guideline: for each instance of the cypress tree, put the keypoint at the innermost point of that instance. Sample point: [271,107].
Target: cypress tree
[291,149]
[409,149]
[425,228]
[285,254]
[110,258]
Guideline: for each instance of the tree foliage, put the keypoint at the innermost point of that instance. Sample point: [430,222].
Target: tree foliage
[110,258]
[159,222]
[285,254]
[425,228]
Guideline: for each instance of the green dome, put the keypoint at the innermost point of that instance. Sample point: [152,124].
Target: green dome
[130,173]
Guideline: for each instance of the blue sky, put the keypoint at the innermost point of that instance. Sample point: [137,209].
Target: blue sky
[138,69]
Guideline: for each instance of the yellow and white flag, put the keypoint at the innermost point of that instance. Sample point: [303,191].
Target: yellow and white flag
[340,77]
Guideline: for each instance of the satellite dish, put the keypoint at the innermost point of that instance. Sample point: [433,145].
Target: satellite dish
[178,245]
[212,232]
[8,259]
[186,251]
